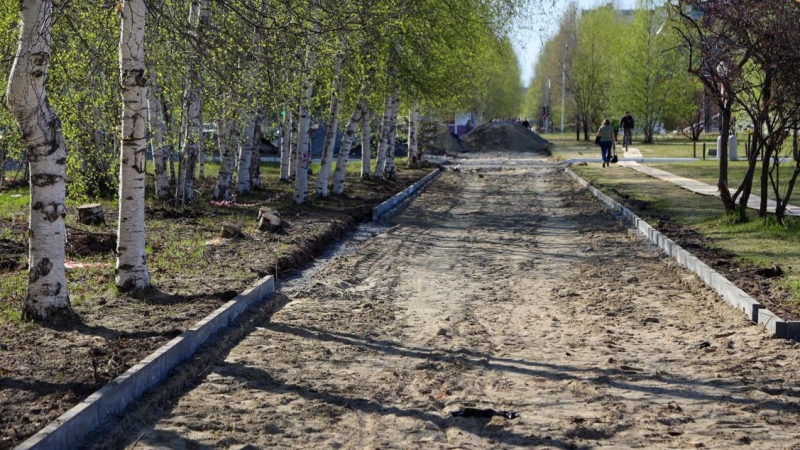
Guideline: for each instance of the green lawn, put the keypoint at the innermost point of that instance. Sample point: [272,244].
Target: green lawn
[762,243]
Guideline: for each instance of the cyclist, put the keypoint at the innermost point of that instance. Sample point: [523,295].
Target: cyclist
[626,123]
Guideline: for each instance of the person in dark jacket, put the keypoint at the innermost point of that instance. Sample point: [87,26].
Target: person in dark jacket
[606,134]
[626,123]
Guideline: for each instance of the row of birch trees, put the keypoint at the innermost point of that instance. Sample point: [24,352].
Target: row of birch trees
[92,86]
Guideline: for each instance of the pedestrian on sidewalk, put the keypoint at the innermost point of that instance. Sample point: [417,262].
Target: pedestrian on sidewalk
[606,134]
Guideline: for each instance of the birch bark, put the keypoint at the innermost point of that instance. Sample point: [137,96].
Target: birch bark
[131,270]
[286,145]
[47,294]
[245,156]
[255,161]
[413,138]
[380,165]
[321,184]
[344,150]
[227,157]
[390,172]
[157,131]
[293,147]
[303,141]
[366,136]
[192,100]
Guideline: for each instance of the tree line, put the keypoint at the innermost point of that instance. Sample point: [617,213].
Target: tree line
[666,61]
[92,86]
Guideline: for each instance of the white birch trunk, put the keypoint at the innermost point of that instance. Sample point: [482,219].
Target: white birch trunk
[321,185]
[255,163]
[157,131]
[131,270]
[344,150]
[47,295]
[304,127]
[286,145]
[366,138]
[227,158]
[192,104]
[390,173]
[245,156]
[413,138]
[293,146]
[380,165]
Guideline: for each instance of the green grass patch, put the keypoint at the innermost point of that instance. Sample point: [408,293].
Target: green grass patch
[760,242]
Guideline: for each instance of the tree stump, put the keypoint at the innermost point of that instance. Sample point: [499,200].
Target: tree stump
[269,220]
[230,230]
[91,214]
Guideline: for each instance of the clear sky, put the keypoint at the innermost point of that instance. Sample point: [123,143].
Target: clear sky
[531,33]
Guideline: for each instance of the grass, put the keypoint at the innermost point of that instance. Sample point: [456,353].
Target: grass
[668,146]
[178,254]
[760,242]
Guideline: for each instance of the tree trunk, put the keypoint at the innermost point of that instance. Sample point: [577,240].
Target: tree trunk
[131,270]
[255,163]
[47,295]
[344,151]
[321,184]
[286,145]
[304,127]
[293,145]
[192,103]
[157,131]
[366,136]
[413,138]
[722,183]
[390,172]
[227,157]
[380,166]
[245,156]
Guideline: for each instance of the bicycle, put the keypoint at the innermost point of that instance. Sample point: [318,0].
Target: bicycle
[626,138]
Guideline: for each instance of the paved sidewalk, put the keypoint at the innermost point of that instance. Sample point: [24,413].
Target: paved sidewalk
[699,187]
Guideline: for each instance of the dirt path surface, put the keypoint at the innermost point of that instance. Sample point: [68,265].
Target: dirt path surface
[507,290]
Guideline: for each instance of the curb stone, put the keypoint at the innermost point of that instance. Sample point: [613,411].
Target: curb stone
[392,206]
[70,429]
[729,292]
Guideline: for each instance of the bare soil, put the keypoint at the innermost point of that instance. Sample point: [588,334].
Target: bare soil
[496,291]
[46,369]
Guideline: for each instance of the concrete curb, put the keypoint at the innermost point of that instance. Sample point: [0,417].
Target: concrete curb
[729,292]
[391,206]
[69,430]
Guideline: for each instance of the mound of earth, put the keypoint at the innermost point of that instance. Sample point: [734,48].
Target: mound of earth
[449,143]
[513,137]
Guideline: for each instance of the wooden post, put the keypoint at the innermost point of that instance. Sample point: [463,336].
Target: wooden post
[694,149]
[704,150]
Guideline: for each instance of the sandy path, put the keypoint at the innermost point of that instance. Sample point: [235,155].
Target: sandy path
[510,290]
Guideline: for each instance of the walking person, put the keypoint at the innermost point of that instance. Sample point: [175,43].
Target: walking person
[606,135]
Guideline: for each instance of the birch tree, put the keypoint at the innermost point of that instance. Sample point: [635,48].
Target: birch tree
[47,295]
[199,13]
[157,131]
[344,151]
[332,124]
[245,156]
[380,165]
[366,138]
[286,145]
[304,125]
[131,270]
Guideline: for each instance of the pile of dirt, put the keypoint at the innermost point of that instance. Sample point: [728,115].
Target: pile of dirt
[494,136]
[449,143]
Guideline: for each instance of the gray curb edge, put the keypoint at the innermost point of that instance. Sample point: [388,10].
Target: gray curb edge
[391,206]
[70,429]
[729,292]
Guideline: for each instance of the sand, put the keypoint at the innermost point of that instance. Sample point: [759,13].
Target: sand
[511,290]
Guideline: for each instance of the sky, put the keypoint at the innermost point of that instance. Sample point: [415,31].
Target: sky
[530,35]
